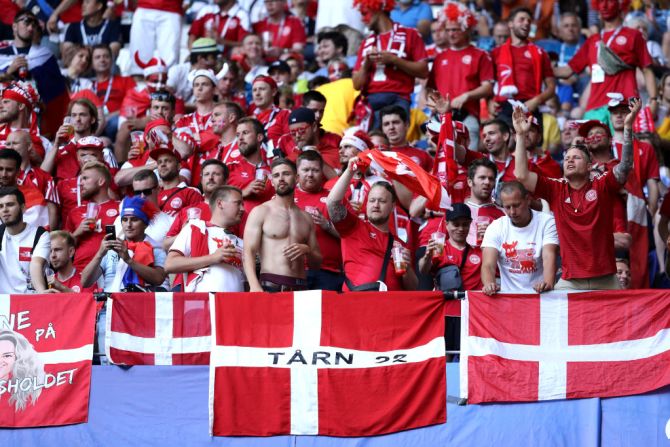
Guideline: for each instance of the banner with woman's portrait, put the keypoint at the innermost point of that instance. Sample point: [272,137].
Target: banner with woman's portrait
[46,348]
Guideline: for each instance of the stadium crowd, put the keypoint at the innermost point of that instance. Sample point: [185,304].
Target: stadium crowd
[223,145]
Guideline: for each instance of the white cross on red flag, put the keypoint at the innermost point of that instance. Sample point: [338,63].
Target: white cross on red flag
[564,345]
[161,328]
[322,363]
[46,348]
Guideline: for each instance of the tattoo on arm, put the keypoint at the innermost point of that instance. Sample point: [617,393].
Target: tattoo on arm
[624,167]
[337,211]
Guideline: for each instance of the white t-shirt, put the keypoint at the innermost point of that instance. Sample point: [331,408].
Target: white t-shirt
[15,259]
[520,250]
[222,277]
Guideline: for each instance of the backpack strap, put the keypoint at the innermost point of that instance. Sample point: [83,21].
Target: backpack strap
[38,234]
[3,227]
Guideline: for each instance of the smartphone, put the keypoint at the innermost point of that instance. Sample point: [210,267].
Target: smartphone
[110,229]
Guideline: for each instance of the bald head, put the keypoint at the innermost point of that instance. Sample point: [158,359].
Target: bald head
[20,141]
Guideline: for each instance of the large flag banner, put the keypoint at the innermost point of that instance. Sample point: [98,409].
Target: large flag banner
[322,363]
[158,329]
[564,345]
[46,348]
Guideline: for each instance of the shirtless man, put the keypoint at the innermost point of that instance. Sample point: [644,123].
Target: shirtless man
[283,234]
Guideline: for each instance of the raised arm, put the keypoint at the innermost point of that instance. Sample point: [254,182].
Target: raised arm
[336,208]
[624,167]
[521,172]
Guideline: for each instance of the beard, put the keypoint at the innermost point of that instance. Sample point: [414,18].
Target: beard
[249,149]
[378,220]
[8,117]
[169,176]
[15,221]
[285,191]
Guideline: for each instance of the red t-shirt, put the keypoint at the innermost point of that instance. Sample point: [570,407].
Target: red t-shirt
[523,70]
[275,121]
[172,200]
[630,46]
[403,42]
[363,249]
[329,138]
[227,27]
[284,34]
[546,166]
[481,214]
[68,193]
[161,5]
[455,72]
[115,94]
[584,221]
[330,154]
[329,245]
[471,271]
[241,173]
[181,218]
[41,180]
[649,167]
[420,157]
[89,243]
[74,283]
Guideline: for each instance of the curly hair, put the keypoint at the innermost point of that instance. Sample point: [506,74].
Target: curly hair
[27,365]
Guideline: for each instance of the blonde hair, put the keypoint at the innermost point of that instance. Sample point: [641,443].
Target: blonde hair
[27,365]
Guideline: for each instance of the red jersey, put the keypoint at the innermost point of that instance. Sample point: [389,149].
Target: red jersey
[275,121]
[329,245]
[41,180]
[471,271]
[195,122]
[181,218]
[172,200]
[481,214]
[74,283]
[456,72]
[283,34]
[241,173]
[433,50]
[226,27]
[111,95]
[420,157]
[630,46]
[545,165]
[524,70]
[649,167]
[330,154]
[69,195]
[161,5]
[363,249]
[89,243]
[405,43]
[584,221]
[329,138]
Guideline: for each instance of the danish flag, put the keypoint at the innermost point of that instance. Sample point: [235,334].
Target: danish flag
[158,329]
[313,362]
[564,345]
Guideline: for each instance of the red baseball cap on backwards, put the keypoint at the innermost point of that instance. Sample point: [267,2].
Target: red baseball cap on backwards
[24,93]
[358,139]
[459,13]
[162,144]
[154,65]
[90,142]
[267,79]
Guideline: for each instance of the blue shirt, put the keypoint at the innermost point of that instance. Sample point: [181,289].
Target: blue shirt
[411,17]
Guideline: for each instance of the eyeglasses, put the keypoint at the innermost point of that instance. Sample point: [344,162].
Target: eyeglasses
[299,131]
[144,192]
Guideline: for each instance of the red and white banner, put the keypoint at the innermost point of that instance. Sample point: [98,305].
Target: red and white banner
[46,348]
[158,329]
[322,363]
[564,345]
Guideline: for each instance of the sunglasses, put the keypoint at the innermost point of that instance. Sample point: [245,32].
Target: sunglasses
[299,131]
[144,192]
[162,96]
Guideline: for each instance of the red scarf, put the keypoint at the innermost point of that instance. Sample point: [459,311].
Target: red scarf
[506,85]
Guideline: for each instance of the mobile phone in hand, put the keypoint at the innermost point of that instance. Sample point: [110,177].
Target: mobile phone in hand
[110,229]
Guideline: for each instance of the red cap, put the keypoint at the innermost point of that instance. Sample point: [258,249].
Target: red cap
[585,127]
[267,79]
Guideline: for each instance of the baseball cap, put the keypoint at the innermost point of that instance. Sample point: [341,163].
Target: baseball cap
[302,115]
[457,211]
[585,127]
[279,66]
